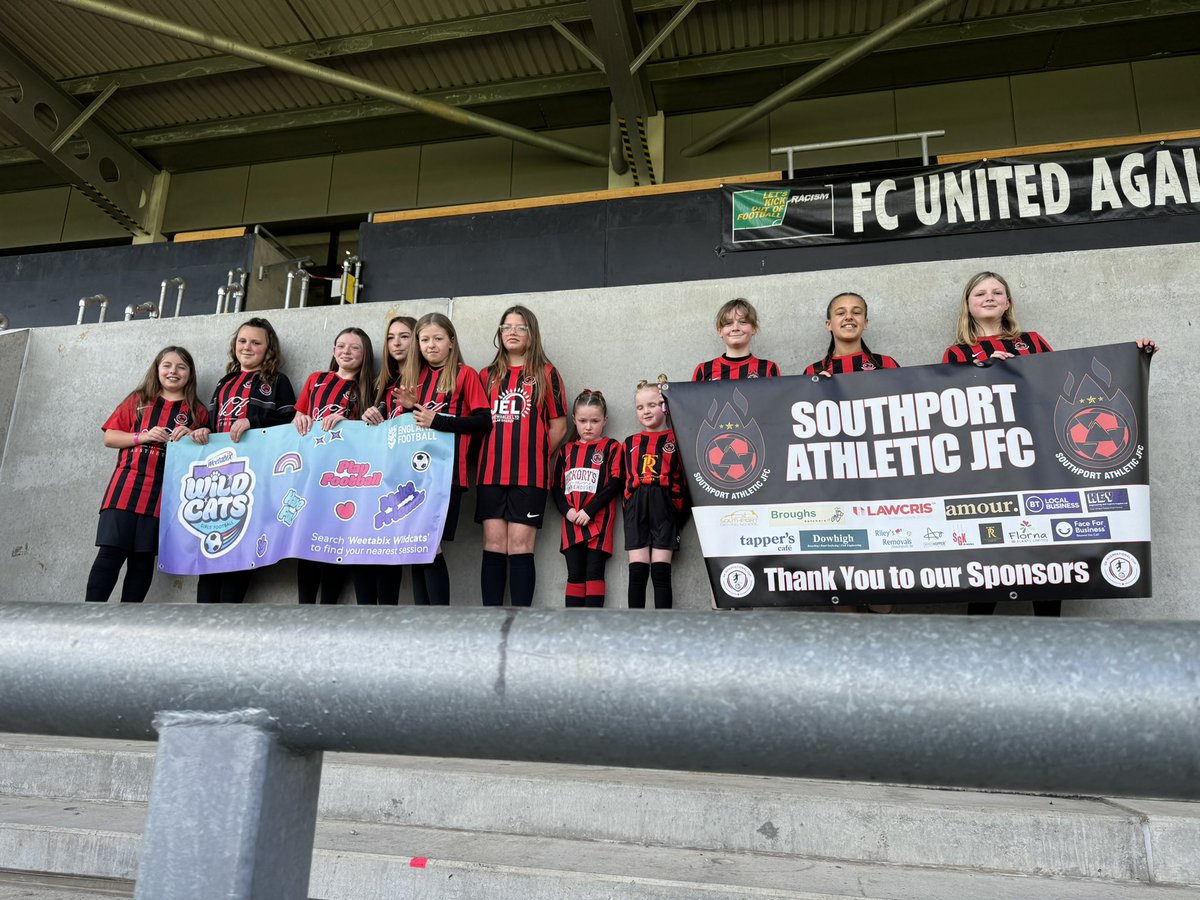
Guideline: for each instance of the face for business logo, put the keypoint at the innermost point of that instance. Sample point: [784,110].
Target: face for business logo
[1093,529]
[982,507]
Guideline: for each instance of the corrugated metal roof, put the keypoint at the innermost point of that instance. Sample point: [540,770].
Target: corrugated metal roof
[480,43]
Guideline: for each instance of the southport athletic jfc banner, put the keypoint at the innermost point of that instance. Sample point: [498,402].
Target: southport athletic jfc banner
[354,495]
[986,195]
[1026,479]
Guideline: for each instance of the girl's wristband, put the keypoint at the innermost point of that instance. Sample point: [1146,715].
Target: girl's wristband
[136,438]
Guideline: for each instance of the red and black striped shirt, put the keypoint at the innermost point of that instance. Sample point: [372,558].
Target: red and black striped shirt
[136,483]
[247,395]
[651,458]
[517,449]
[1024,344]
[723,368]
[328,394]
[464,411]
[855,362]
[589,476]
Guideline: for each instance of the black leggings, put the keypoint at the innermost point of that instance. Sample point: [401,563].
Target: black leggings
[139,572]
[585,569]
[223,587]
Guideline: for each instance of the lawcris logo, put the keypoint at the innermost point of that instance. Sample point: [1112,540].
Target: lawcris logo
[868,510]
[1064,502]
[982,507]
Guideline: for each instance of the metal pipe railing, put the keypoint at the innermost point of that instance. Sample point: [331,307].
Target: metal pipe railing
[148,307]
[180,284]
[922,136]
[85,302]
[349,284]
[305,277]
[1066,706]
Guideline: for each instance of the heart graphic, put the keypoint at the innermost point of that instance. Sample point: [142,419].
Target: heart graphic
[345,511]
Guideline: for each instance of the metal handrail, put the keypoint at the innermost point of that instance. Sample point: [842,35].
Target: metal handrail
[923,136]
[305,277]
[85,302]
[148,307]
[1066,706]
[180,284]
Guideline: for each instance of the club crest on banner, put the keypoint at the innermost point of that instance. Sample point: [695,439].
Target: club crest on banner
[1095,423]
[730,450]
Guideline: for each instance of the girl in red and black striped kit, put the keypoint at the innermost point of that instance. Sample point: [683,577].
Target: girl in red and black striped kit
[330,397]
[987,331]
[987,325]
[397,343]
[846,319]
[737,324]
[653,498]
[163,408]
[588,477]
[445,394]
[254,393]
[529,420]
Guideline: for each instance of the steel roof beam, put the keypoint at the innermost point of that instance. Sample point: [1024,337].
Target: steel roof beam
[659,71]
[339,79]
[821,73]
[372,42]
[81,151]
[620,42]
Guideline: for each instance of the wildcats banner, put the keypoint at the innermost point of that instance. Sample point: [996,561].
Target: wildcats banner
[988,195]
[354,495]
[1027,479]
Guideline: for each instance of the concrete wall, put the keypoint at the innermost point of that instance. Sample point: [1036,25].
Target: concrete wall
[55,467]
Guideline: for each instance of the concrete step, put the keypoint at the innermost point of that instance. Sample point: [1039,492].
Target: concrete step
[356,861]
[37,886]
[1117,839]
[1135,842]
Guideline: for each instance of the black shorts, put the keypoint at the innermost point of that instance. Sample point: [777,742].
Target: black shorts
[513,503]
[129,531]
[651,520]
[452,508]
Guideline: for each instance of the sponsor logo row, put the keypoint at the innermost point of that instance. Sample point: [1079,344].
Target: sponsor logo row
[1091,528]
[953,508]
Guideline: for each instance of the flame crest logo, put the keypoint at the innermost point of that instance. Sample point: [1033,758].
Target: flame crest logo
[1096,424]
[729,444]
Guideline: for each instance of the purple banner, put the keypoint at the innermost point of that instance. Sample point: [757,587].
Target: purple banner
[354,495]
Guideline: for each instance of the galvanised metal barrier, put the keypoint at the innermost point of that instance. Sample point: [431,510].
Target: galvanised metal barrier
[248,697]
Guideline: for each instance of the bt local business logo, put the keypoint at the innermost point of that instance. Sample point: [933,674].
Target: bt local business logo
[1059,502]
